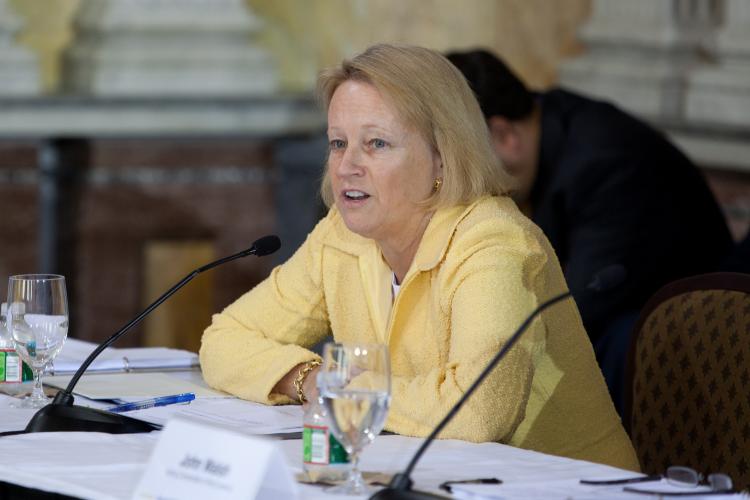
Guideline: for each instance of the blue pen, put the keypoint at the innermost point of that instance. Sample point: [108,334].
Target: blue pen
[150,403]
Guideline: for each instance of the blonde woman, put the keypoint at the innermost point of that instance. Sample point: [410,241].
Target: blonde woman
[424,251]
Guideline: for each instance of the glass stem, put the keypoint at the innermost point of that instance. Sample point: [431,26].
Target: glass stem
[355,476]
[38,392]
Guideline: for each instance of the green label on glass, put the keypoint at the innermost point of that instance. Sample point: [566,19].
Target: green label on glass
[314,445]
[319,447]
[27,373]
[12,369]
[338,453]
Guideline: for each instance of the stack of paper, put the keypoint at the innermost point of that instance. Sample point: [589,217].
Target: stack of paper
[132,386]
[243,416]
[75,351]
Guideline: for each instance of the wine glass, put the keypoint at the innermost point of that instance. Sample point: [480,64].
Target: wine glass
[355,386]
[38,324]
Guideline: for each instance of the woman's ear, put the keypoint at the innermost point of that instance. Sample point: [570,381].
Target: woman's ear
[437,163]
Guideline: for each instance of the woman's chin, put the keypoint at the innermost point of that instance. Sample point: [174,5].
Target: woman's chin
[358,226]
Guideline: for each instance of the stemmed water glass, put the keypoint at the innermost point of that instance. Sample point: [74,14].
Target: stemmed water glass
[354,383]
[38,324]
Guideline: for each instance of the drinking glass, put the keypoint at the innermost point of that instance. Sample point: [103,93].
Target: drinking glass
[354,383]
[38,324]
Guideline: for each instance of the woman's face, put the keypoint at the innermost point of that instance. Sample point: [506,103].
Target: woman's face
[380,168]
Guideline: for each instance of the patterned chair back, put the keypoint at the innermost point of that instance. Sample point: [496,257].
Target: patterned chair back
[688,376]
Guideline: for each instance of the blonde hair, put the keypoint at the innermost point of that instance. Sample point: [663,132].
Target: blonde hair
[433,97]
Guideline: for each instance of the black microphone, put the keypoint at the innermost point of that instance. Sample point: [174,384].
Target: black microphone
[400,486]
[63,415]
[262,247]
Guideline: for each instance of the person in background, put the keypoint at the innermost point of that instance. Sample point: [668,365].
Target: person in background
[738,260]
[606,189]
[424,251]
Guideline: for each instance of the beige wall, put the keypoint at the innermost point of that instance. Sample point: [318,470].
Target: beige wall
[305,35]
[533,35]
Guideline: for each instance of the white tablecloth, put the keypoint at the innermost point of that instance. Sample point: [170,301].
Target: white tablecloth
[104,466]
[108,467]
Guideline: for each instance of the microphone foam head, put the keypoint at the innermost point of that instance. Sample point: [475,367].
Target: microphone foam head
[266,245]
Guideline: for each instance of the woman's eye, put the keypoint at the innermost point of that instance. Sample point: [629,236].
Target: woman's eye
[336,144]
[378,143]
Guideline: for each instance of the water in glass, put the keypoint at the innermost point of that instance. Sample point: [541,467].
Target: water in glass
[355,388]
[38,324]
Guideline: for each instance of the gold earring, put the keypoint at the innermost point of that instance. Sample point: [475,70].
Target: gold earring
[437,184]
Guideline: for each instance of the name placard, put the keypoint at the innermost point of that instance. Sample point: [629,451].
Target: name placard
[195,460]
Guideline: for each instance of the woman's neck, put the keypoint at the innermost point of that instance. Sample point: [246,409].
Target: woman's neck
[399,253]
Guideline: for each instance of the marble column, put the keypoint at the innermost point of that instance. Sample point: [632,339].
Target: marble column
[167,48]
[19,69]
[719,91]
[639,53]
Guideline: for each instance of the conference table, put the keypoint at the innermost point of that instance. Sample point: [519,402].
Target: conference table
[109,467]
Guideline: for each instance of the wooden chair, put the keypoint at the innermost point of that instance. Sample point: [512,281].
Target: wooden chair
[688,377]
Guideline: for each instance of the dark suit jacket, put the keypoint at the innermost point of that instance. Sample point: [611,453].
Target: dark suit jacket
[612,190]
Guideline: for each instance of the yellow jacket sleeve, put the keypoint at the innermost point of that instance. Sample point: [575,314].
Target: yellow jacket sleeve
[487,294]
[256,340]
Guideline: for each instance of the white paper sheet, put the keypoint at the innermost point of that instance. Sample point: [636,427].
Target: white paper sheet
[664,486]
[75,351]
[565,489]
[197,460]
[237,414]
[13,419]
[87,465]
[132,386]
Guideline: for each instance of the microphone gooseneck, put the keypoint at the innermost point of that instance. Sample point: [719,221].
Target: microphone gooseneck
[62,415]
[400,486]
[263,246]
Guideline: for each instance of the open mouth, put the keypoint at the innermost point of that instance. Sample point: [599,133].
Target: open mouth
[355,195]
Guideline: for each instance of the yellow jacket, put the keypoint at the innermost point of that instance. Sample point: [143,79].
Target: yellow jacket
[478,272]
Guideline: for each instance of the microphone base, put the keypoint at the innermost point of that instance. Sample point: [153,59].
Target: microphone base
[72,418]
[396,494]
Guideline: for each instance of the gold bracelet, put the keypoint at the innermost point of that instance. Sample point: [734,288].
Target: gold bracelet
[302,375]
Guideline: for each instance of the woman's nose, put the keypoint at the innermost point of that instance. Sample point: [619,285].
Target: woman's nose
[350,163]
